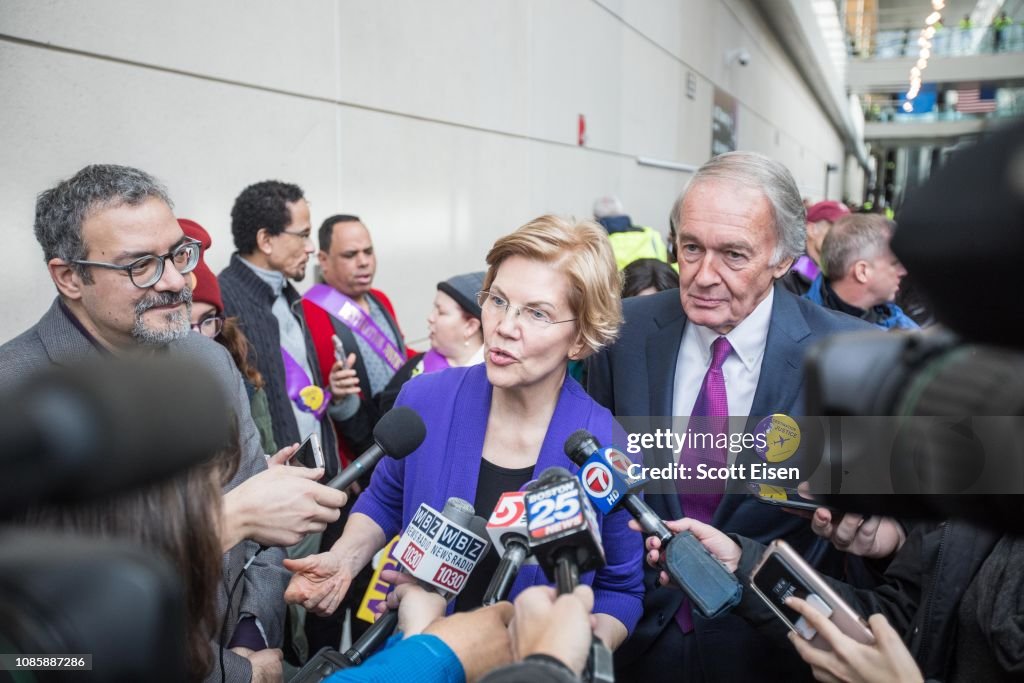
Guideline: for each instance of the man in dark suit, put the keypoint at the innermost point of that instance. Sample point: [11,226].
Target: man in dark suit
[121,266]
[728,342]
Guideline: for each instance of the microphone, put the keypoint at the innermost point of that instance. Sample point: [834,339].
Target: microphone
[397,434]
[565,538]
[507,531]
[562,529]
[439,549]
[711,587]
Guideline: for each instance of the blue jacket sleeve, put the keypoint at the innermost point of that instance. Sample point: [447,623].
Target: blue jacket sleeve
[423,658]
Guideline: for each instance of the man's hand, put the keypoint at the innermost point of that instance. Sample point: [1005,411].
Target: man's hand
[319,582]
[266,664]
[887,660]
[279,507]
[480,638]
[343,378]
[417,606]
[560,626]
[874,536]
[718,544]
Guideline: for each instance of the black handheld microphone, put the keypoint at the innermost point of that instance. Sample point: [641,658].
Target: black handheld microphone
[507,531]
[711,587]
[440,549]
[562,528]
[397,434]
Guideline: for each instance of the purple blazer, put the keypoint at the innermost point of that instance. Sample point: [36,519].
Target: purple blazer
[455,404]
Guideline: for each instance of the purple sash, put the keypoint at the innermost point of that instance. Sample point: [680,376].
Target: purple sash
[805,266]
[347,311]
[433,361]
[304,393]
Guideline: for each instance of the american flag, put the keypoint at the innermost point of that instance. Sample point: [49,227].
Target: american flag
[976,100]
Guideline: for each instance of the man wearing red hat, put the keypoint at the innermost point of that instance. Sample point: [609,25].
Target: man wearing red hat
[820,218]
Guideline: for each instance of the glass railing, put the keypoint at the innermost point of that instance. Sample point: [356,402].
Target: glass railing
[947,42]
[941,113]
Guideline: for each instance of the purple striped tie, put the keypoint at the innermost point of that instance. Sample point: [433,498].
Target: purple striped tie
[710,415]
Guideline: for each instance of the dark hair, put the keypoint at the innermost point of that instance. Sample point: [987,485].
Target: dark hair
[263,205]
[178,517]
[61,210]
[234,340]
[648,272]
[327,228]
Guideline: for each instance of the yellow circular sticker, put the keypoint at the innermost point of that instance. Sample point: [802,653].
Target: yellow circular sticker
[781,437]
[312,397]
[773,492]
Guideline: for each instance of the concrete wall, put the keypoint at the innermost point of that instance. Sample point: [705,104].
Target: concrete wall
[443,124]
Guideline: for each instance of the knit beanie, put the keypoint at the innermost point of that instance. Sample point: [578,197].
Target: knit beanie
[463,289]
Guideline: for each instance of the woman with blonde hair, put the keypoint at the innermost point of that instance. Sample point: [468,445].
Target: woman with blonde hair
[551,295]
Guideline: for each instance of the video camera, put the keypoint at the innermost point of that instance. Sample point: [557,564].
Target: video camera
[73,435]
[961,238]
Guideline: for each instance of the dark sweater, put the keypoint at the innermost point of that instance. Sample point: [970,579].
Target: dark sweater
[250,298]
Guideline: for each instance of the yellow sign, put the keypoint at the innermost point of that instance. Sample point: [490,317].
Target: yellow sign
[377,591]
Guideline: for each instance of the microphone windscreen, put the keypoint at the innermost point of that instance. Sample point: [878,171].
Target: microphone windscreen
[400,432]
[575,443]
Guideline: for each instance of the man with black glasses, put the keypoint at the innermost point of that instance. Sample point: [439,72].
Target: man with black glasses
[121,266]
[274,238]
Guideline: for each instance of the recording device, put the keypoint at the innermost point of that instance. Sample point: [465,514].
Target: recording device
[711,587]
[439,549]
[782,573]
[781,496]
[566,540]
[309,453]
[74,434]
[507,529]
[973,367]
[397,434]
[562,529]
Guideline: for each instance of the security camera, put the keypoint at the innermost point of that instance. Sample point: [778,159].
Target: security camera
[739,56]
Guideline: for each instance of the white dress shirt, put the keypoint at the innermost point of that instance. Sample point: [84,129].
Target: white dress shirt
[742,367]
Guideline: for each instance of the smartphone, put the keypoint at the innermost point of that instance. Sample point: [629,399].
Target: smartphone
[309,453]
[339,349]
[783,573]
[782,496]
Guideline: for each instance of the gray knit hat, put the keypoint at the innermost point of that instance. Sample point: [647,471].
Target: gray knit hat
[463,289]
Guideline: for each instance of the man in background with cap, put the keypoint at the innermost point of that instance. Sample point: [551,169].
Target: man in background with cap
[820,218]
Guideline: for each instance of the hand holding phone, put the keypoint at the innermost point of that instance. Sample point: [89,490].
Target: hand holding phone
[782,573]
[339,349]
[309,453]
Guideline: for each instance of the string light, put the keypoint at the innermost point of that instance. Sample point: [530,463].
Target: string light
[924,42]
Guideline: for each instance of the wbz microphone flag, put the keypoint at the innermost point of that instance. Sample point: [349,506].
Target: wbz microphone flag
[439,552]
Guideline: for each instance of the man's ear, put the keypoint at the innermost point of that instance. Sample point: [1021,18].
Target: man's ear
[263,241]
[860,271]
[67,278]
[782,268]
[321,257]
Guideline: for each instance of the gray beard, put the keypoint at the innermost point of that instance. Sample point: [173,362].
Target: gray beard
[179,324]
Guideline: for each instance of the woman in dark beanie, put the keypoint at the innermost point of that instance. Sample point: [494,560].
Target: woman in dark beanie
[456,339]
[208,319]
